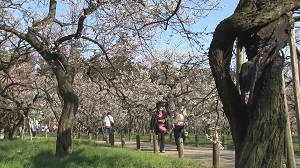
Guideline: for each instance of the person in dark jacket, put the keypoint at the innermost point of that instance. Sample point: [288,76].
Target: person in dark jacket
[179,122]
[159,123]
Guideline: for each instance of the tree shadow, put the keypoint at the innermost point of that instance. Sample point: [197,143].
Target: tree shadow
[79,158]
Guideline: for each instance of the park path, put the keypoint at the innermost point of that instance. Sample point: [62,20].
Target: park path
[201,154]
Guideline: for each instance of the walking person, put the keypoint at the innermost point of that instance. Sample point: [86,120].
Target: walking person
[179,121]
[34,126]
[108,127]
[159,123]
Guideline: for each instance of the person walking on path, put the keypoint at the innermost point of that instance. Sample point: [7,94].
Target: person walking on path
[34,125]
[108,126]
[179,121]
[159,123]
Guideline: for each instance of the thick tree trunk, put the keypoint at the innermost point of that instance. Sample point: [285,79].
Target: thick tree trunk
[64,134]
[264,142]
[55,56]
[257,122]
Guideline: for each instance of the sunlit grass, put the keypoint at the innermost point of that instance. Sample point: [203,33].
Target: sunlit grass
[40,153]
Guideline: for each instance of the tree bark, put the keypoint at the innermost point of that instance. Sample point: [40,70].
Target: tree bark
[64,74]
[263,145]
[257,122]
[70,106]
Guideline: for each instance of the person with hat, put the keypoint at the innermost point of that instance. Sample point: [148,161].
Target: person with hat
[159,123]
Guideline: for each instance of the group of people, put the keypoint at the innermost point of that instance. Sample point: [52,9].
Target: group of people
[52,128]
[160,124]
[33,125]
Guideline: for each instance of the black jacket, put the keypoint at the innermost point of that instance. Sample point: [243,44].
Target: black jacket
[155,117]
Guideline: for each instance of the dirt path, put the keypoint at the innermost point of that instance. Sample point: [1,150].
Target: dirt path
[201,154]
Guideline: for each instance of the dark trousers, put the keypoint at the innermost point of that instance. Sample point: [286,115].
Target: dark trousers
[178,133]
[33,133]
[161,139]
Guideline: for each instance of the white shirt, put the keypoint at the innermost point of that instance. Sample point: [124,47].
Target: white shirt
[107,120]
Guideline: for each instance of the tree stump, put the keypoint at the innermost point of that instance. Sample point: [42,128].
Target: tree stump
[180,148]
[155,143]
[216,156]
[138,142]
[122,140]
[112,138]
[197,140]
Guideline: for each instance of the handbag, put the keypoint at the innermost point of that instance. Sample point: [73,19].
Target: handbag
[162,128]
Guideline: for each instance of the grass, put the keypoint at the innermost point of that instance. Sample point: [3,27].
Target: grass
[40,153]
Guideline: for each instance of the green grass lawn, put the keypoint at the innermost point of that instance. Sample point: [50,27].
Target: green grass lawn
[40,153]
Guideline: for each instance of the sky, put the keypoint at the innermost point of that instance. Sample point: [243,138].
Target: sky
[209,23]
[217,16]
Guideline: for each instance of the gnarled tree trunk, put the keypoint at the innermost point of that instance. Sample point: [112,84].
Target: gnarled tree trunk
[70,106]
[257,121]
[64,74]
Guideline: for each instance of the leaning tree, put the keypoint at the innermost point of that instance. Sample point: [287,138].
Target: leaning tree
[256,115]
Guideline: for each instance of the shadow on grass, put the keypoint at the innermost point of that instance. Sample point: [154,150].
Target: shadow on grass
[80,158]
[47,159]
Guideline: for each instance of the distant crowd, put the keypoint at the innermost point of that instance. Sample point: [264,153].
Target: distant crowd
[33,125]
